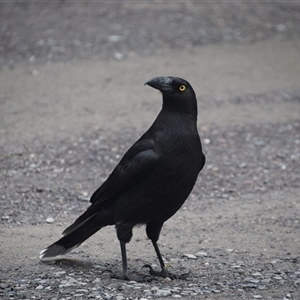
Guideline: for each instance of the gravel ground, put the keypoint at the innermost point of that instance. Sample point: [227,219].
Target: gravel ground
[60,31]
[238,233]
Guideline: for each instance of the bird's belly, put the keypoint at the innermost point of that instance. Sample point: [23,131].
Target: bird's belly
[157,198]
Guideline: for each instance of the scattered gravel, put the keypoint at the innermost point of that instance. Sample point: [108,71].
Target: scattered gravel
[116,30]
[88,283]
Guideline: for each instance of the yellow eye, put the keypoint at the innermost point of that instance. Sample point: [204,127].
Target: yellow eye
[182,88]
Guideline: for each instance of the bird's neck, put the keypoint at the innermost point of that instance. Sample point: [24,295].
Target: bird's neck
[176,119]
[186,111]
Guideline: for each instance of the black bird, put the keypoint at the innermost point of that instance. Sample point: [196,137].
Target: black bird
[152,180]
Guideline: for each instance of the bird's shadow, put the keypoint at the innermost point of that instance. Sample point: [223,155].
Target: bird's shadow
[71,263]
[105,271]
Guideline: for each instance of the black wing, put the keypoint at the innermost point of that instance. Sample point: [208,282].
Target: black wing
[137,162]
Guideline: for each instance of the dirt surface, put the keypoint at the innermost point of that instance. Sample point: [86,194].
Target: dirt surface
[72,101]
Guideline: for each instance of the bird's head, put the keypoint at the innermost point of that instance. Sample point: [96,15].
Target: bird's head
[177,92]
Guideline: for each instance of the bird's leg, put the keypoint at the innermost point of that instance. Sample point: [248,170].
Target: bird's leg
[162,264]
[153,232]
[164,272]
[124,233]
[124,260]
[124,265]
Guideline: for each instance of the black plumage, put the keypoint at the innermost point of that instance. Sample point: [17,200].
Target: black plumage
[152,180]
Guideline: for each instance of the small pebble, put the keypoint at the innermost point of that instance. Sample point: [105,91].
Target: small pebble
[190,256]
[118,55]
[243,165]
[49,220]
[114,38]
[82,291]
[34,72]
[252,280]
[39,287]
[59,273]
[107,296]
[163,292]
[235,266]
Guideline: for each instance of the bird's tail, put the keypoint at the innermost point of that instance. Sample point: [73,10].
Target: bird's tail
[73,238]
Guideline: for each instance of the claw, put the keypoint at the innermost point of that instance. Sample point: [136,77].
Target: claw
[165,273]
[106,271]
[113,275]
[162,273]
[183,276]
[147,266]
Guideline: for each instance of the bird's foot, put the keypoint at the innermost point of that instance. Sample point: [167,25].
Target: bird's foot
[115,276]
[165,273]
[141,279]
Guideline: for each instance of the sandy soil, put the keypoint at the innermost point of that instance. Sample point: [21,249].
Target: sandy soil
[66,120]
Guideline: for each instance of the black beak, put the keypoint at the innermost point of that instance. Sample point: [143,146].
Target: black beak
[162,84]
